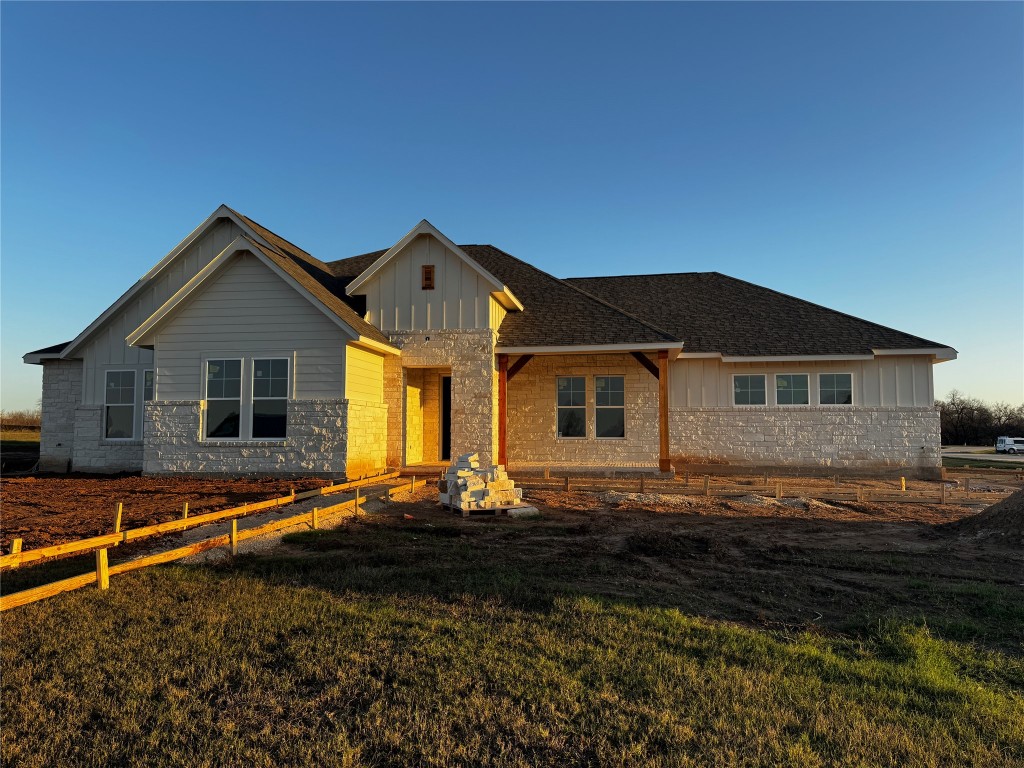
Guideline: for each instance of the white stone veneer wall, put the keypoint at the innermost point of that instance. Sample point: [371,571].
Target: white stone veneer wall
[470,356]
[62,393]
[366,452]
[93,453]
[821,436]
[532,419]
[316,442]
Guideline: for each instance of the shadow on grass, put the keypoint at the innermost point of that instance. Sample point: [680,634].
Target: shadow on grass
[789,574]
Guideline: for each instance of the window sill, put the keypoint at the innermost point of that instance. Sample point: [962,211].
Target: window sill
[120,441]
[224,442]
[613,439]
[571,439]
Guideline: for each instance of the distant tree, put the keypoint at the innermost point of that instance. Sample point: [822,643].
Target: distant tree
[969,421]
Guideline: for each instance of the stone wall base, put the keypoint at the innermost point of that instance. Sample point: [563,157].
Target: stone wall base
[62,392]
[316,442]
[856,438]
[93,453]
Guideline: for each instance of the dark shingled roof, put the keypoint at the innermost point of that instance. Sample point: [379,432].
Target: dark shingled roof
[555,314]
[712,312]
[55,349]
[703,311]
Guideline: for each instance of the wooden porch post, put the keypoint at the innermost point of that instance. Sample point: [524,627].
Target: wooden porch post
[502,409]
[664,462]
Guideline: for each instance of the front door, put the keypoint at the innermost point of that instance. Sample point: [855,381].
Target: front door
[446,418]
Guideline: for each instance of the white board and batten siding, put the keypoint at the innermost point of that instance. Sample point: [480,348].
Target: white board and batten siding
[107,349]
[899,380]
[461,297]
[247,311]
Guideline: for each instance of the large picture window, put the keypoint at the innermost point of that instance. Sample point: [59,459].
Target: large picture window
[223,398]
[835,388]
[748,389]
[269,398]
[791,389]
[572,406]
[610,401]
[119,405]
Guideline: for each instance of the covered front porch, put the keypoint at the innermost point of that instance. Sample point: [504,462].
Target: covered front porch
[592,410]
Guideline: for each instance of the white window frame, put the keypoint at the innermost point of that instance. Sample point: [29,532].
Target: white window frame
[134,404]
[775,390]
[732,391]
[206,399]
[586,409]
[853,388]
[625,431]
[251,402]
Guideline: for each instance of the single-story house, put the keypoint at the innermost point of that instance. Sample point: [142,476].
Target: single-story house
[241,353]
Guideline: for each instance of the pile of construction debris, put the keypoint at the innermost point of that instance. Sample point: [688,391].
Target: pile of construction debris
[466,486]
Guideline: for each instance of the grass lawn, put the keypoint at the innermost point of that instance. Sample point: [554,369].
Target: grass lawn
[979,463]
[575,640]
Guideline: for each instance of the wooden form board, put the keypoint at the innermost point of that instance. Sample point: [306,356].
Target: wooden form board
[18,559]
[312,518]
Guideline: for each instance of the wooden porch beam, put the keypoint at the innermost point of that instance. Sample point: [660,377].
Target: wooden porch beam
[664,462]
[503,377]
[517,366]
[645,361]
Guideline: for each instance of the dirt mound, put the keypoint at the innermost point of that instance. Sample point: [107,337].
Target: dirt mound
[1003,519]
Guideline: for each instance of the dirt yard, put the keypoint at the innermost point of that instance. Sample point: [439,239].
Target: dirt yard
[794,564]
[52,510]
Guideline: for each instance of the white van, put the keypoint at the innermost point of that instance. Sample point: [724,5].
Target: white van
[1010,445]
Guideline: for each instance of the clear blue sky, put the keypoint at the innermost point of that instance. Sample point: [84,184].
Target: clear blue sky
[866,156]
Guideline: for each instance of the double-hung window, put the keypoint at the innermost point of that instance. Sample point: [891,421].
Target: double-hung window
[223,398]
[572,406]
[119,405]
[791,389]
[835,388]
[748,389]
[610,402]
[269,398]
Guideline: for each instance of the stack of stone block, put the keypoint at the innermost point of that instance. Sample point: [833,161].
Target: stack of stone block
[467,486]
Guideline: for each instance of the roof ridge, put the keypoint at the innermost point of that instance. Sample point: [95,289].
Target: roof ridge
[827,309]
[668,336]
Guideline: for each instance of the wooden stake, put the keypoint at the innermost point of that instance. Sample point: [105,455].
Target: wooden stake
[903,485]
[547,473]
[412,486]
[942,495]
[234,537]
[968,487]
[315,518]
[778,490]
[102,572]
[707,485]
[16,546]
[566,482]
[117,519]
[184,511]
[686,477]
[357,500]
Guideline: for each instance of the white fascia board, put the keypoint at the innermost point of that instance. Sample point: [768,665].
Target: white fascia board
[941,354]
[222,212]
[375,346]
[37,359]
[508,300]
[138,337]
[581,349]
